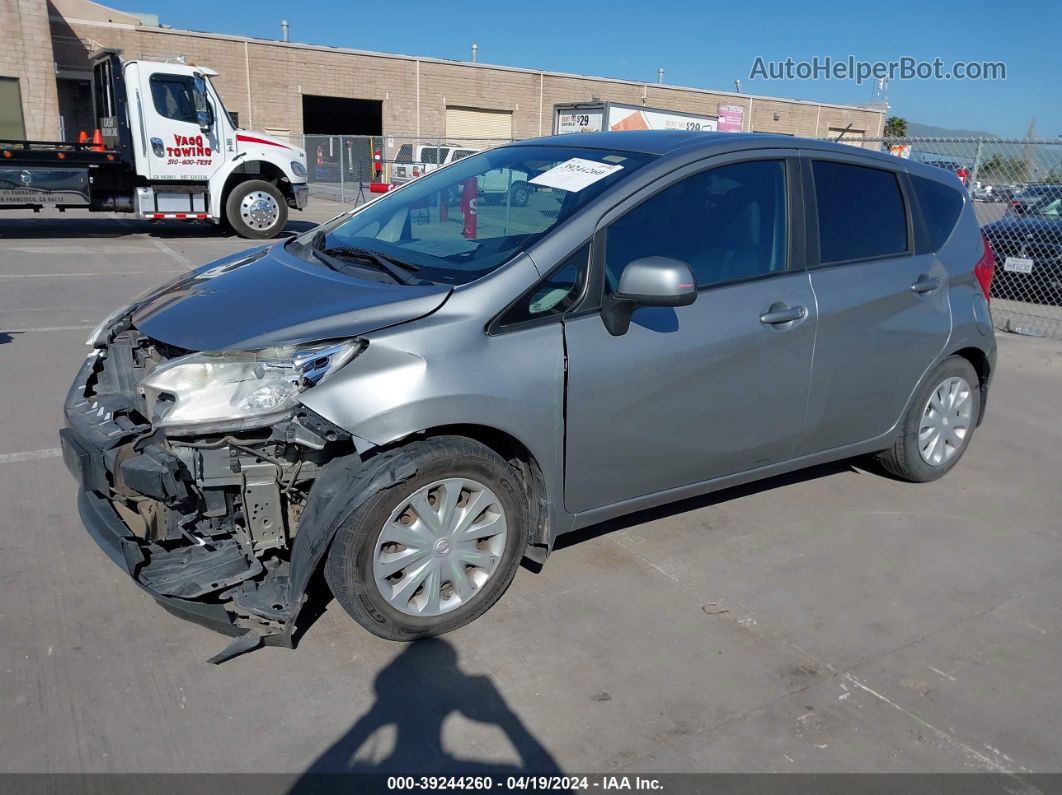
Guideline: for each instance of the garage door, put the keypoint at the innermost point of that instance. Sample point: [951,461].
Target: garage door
[474,124]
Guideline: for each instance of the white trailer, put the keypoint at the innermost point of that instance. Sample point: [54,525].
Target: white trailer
[575,117]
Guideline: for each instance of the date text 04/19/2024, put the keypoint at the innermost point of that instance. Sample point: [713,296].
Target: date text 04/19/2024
[523,783]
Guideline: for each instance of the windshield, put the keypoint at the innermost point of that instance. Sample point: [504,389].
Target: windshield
[459,223]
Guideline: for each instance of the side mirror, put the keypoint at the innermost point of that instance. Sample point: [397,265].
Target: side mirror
[204,118]
[649,281]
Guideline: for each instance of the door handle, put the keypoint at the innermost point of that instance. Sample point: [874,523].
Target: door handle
[784,314]
[925,284]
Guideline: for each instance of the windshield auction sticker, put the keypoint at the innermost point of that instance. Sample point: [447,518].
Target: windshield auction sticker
[574,175]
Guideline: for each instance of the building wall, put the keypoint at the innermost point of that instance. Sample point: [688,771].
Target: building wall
[26,54]
[263,82]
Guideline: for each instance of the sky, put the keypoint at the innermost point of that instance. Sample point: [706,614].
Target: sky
[700,44]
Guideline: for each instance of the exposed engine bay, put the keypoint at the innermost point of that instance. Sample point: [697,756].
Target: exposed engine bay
[213,515]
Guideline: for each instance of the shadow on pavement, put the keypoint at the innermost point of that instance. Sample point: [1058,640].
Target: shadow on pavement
[415,694]
[52,227]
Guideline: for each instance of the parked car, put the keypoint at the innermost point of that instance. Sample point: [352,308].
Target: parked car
[1032,197]
[1028,247]
[415,161]
[417,405]
[492,186]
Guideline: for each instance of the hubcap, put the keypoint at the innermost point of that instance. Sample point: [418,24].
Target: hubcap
[439,547]
[946,421]
[259,210]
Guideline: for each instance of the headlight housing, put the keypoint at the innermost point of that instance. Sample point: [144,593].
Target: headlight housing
[298,169]
[240,388]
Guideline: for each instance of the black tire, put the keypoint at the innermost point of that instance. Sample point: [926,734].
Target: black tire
[349,566]
[243,227]
[904,460]
[519,194]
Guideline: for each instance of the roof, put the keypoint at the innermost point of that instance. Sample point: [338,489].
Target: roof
[653,142]
[662,142]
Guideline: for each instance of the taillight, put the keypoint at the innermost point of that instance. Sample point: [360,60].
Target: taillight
[416,171]
[985,268]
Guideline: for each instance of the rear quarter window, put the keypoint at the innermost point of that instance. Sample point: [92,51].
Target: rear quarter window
[940,205]
[861,212]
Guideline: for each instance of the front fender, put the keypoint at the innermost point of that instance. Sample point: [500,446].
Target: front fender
[513,384]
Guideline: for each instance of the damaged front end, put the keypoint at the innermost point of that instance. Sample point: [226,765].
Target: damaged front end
[206,514]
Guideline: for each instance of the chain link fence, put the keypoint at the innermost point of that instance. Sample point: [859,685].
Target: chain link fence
[1016,185]
[345,168]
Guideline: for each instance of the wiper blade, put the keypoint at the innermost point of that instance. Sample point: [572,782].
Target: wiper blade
[395,268]
[376,256]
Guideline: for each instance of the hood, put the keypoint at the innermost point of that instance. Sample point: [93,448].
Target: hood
[267,296]
[252,139]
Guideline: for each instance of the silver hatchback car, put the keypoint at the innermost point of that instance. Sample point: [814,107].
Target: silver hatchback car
[422,392]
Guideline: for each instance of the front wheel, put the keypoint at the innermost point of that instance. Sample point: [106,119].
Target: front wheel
[430,554]
[938,425]
[256,209]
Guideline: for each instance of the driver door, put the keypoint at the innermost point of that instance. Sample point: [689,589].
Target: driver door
[178,148]
[697,392]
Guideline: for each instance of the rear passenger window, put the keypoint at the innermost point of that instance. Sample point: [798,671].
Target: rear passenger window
[861,212]
[940,206]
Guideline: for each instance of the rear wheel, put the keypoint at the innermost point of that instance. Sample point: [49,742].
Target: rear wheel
[432,553]
[938,425]
[256,209]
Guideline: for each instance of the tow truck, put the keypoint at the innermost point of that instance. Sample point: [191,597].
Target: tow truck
[163,147]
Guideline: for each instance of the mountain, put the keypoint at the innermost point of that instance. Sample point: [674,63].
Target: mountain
[916,130]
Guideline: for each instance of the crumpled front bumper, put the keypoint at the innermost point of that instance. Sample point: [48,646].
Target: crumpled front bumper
[114,538]
[90,444]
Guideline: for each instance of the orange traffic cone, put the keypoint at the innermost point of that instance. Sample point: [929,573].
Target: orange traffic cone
[82,137]
[97,141]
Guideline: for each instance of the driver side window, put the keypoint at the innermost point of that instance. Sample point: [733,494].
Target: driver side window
[727,224]
[174,97]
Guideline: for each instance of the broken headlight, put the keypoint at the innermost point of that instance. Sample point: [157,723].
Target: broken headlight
[239,386]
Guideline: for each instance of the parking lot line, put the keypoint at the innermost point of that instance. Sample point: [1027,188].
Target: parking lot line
[180,259]
[46,328]
[30,455]
[94,273]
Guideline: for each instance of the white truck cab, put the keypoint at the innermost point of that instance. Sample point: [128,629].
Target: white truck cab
[196,160]
[167,149]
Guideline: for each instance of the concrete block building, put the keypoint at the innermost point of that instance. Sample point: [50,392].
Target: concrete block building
[289,89]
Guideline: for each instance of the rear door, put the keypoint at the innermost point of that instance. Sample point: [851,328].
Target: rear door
[715,388]
[884,314]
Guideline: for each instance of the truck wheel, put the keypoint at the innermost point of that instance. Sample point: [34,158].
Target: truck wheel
[256,209]
[519,194]
[432,553]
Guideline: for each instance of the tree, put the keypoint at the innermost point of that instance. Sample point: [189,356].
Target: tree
[895,127]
